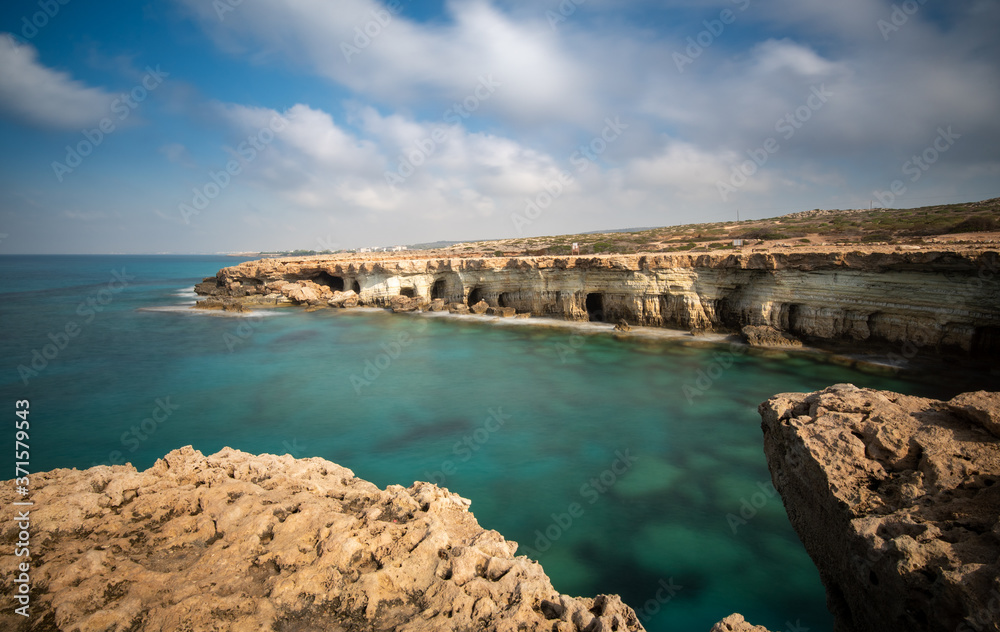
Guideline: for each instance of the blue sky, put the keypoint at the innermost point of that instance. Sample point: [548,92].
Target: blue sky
[225,125]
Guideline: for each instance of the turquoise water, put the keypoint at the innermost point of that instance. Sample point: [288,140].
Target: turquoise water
[585,449]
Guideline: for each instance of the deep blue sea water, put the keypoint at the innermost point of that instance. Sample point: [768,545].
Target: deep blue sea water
[586,449]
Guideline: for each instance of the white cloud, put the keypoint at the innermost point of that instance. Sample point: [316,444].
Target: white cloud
[33,93]
[688,129]
[405,62]
[177,154]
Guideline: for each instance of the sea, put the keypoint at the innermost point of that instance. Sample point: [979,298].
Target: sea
[630,465]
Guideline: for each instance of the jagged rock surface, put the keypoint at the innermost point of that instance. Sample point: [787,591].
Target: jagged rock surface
[897,501]
[947,300]
[736,623]
[240,542]
[767,336]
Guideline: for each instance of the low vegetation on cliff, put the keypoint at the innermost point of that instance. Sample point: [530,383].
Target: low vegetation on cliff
[917,226]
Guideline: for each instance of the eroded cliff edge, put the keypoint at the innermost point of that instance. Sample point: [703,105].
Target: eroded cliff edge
[235,541]
[926,300]
[897,501]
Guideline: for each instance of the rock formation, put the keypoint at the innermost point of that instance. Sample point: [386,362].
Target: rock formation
[234,542]
[930,300]
[897,501]
[736,623]
[767,336]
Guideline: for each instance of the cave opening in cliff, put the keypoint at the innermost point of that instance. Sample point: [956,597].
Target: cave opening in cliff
[335,283]
[439,289]
[475,295]
[504,300]
[595,307]
[407,292]
[356,287]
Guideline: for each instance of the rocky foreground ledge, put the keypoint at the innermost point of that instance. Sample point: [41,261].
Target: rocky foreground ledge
[897,501]
[235,541]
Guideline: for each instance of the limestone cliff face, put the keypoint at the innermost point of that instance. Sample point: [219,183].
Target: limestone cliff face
[237,542]
[930,300]
[897,501]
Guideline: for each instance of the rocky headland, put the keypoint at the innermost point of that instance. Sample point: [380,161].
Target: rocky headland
[233,542]
[897,501]
[928,301]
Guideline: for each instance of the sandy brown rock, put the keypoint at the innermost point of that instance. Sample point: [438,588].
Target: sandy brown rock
[736,623]
[897,501]
[502,312]
[234,542]
[767,336]
[344,299]
[437,305]
[980,407]
[479,308]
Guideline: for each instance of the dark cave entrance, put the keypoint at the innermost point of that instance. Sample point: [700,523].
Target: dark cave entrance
[504,300]
[475,295]
[356,287]
[335,283]
[595,307]
[439,289]
[407,292]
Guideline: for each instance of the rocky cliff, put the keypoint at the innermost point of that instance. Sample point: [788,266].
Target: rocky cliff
[897,501]
[919,300]
[239,542]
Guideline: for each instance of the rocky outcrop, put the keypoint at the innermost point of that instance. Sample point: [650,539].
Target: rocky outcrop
[897,501]
[927,300]
[736,623]
[235,541]
[767,336]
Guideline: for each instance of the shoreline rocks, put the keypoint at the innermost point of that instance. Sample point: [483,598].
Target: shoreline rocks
[897,501]
[767,336]
[234,542]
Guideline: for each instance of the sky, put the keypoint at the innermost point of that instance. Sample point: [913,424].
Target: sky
[204,126]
